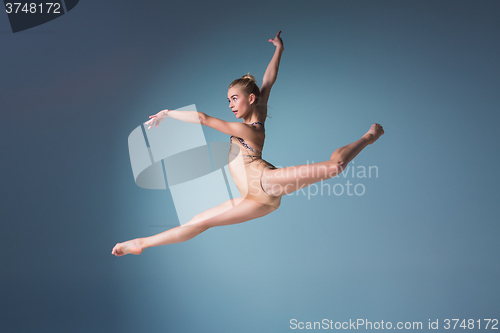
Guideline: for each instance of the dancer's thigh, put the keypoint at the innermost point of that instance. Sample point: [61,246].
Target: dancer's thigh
[243,210]
[286,180]
[217,210]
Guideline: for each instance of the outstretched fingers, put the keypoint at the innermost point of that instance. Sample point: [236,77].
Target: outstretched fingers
[277,35]
[115,251]
[118,251]
[277,41]
[151,122]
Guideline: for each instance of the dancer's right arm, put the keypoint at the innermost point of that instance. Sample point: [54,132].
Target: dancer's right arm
[272,69]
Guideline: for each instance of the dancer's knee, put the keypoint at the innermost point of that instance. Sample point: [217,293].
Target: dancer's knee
[337,156]
[202,226]
[197,226]
[336,167]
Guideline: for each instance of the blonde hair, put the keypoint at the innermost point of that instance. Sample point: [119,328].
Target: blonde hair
[248,86]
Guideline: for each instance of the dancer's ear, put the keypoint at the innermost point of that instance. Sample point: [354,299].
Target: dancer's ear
[251,98]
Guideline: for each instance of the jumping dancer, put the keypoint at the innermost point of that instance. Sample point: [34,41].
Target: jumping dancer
[260,184]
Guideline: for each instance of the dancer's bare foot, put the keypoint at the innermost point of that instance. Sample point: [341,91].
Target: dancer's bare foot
[374,133]
[133,246]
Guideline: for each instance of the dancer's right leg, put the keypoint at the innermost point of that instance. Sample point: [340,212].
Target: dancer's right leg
[286,180]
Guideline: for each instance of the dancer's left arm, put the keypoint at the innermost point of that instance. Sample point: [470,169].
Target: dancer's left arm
[195,117]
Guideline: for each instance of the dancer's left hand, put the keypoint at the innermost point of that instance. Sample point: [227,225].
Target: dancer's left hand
[156,119]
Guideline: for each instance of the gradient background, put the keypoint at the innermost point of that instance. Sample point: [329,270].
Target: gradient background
[421,243]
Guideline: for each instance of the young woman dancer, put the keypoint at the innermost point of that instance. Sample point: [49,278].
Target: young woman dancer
[261,185]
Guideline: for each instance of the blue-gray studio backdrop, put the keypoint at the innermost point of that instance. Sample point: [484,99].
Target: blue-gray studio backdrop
[417,243]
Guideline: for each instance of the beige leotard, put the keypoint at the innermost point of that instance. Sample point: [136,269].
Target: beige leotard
[246,167]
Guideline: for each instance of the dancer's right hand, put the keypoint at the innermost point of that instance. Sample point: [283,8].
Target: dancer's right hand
[156,118]
[277,41]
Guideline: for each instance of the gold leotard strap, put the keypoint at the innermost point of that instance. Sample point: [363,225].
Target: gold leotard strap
[245,144]
[258,156]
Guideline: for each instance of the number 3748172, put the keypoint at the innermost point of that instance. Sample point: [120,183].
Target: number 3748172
[491,324]
[33,8]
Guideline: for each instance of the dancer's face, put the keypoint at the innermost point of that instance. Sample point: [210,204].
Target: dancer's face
[239,103]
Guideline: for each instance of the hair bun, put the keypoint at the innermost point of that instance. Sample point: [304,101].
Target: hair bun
[250,77]
[248,86]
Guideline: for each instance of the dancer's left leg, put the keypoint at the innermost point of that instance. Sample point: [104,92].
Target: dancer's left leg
[230,212]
